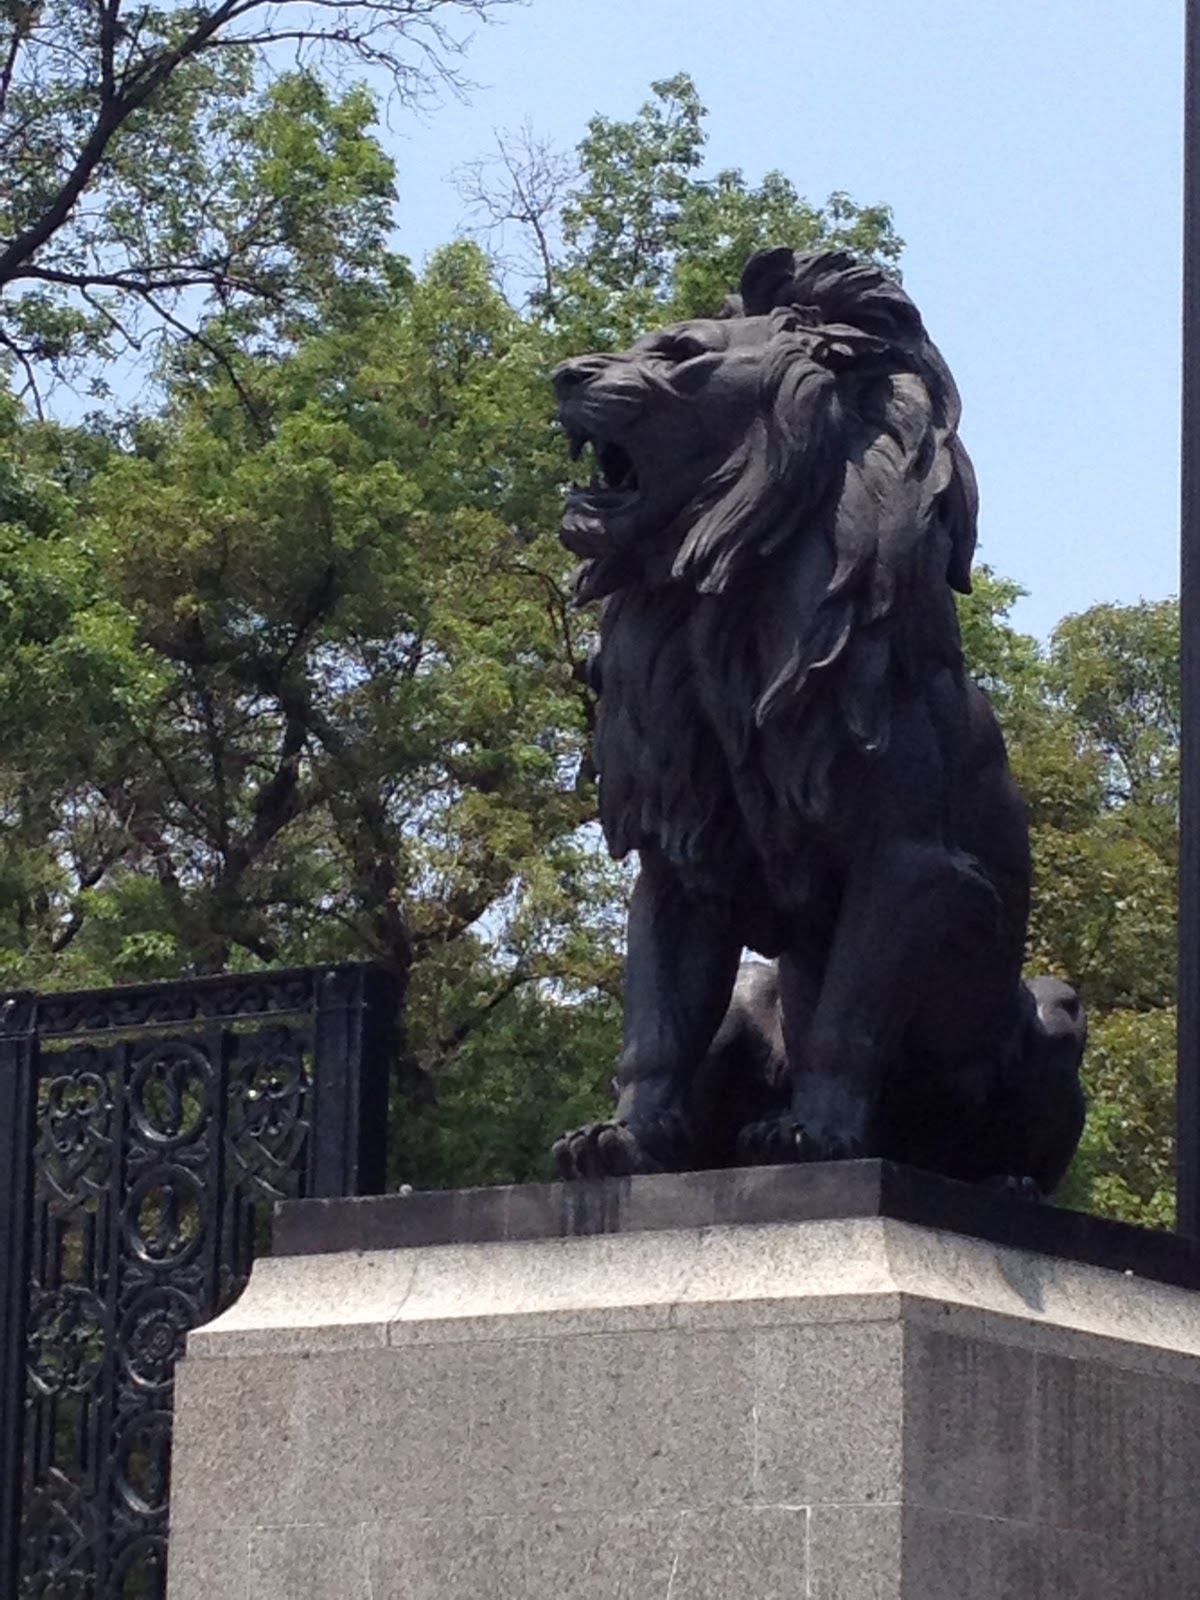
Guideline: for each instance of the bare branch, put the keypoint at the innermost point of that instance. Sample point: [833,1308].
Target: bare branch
[159,279]
[10,62]
[108,34]
[524,183]
[118,327]
[222,357]
[30,387]
[514,980]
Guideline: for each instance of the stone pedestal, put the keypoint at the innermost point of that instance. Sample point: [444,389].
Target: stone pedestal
[843,1403]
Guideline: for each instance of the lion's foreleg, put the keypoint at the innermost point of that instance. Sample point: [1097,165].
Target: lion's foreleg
[680,966]
[901,904]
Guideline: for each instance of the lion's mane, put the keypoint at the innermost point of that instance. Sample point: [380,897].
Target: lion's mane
[854,445]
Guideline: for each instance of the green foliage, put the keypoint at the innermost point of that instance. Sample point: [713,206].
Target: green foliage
[1116,668]
[648,239]
[540,1066]
[71,679]
[368,699]
[361,724]
[157,169]
[1126,1163]
[289,670]
[1092,724]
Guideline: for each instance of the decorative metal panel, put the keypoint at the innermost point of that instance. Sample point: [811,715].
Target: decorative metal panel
[169,1119]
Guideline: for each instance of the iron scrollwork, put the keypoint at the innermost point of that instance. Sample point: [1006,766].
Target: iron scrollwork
[169,1119]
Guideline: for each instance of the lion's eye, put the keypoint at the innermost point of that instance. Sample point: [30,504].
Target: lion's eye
[685,348]
[678,347]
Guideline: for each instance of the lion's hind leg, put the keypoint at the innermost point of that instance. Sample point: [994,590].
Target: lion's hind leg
[902,904]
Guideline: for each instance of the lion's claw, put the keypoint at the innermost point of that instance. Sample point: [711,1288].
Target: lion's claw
[601,1150]
[780,1140]
[617,1150]
[771,1143]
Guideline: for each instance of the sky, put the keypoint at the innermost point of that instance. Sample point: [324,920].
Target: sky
[1031,153]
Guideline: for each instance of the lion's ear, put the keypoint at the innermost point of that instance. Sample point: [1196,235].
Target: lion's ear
[764,275]
[960,512]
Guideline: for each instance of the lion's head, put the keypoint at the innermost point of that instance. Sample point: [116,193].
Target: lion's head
[814,407]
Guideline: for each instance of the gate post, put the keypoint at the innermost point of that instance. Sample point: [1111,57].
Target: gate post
[18,1105]
[354,1027]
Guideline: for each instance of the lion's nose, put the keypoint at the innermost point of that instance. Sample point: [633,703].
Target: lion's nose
[570,375]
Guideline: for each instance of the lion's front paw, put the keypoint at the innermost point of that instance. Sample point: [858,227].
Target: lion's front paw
[770,1143]
[601,1150]
[660,1143]
[780,1140]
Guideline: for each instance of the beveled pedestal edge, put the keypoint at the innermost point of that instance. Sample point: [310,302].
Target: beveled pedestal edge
[738,1196]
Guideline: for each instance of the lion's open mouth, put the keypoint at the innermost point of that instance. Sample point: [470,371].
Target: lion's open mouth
[610,507]
[614,469]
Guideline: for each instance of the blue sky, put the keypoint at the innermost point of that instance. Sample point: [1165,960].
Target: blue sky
[1031,151]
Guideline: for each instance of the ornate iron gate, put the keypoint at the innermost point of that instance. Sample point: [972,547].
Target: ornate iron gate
[144,1135]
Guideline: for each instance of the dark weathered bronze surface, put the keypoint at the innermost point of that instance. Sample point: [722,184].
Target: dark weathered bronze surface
[780,514]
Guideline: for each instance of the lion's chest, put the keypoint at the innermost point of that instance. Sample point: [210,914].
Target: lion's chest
[675,739]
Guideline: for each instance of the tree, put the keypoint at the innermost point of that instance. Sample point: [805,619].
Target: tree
[70,677]
[150,171]
[290,670]
[636,234]
[362,723]
[352,616]
[362,727]
[645,233]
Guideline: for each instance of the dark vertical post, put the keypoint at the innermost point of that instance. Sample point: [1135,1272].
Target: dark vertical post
[1188,1081]
[355,1019]
[18,1106]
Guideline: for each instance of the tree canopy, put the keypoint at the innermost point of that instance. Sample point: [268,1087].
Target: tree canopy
[290,669]
[154,163]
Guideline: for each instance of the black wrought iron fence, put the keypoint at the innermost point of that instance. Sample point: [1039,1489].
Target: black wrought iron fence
[144,1135]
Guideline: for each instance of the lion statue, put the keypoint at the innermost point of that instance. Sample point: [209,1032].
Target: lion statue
[780,513]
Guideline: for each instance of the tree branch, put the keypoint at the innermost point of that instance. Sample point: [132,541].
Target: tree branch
[120,97]
[75,921]
[108,34]
[216,757]
[31,388]
[116,107]
[178,789]
[277,800]
[450,1042]
[10,62]
[145,280]
[221,357]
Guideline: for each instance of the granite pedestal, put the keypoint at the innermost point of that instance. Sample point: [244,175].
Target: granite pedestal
[774,1385]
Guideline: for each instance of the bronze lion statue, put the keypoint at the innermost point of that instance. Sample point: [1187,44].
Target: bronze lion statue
[780,514]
